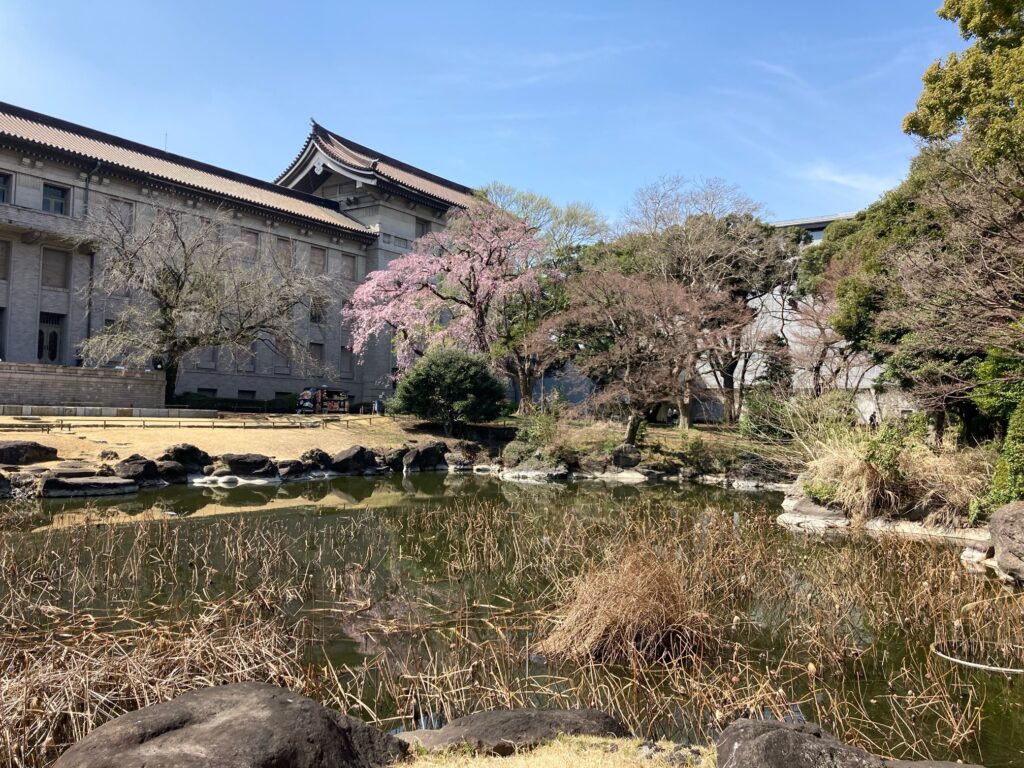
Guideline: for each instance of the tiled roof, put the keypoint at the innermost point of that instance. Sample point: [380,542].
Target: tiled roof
[50,132]
[370,161]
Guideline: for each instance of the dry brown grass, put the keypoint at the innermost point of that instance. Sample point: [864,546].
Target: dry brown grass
[644,606]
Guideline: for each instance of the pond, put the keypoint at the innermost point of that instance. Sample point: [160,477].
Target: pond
[423,597]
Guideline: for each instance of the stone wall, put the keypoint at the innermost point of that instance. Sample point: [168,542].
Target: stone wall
[29,384]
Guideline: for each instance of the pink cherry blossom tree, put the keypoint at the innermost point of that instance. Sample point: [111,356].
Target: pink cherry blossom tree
[475,285]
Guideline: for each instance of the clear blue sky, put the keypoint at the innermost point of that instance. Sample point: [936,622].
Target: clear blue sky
[799,103]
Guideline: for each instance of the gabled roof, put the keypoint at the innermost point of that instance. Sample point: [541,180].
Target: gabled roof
[378,168]
[54,134]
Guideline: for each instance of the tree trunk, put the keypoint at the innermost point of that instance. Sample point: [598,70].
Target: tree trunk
[729,390]
[170,380]
[632,428]
[524,381]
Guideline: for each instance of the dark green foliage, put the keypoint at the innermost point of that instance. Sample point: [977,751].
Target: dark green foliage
[1008,478]
[450,387]
[1002,385]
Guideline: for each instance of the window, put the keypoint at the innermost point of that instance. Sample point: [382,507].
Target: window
[360,267]
[5,259]
[250,245]
[348,266]
[247,394]
[282,360]
[422,227]
[55,268]
[5,188]
[206,357]
[347,363]
[56,199]
[283,252]
[122,215]
[316,351]
[50,337]
[206,392]
[317,260]
[317,310]
[283,395]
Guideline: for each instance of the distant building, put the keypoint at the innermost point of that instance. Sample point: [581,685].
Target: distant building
[339,207]
[814,225]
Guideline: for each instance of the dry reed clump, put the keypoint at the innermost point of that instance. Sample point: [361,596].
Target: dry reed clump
[643,607]
[865,477]
[59,683]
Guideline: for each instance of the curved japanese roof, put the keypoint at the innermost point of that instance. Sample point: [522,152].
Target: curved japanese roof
[375,168]
[51,133]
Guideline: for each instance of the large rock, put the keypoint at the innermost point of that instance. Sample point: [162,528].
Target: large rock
[317,457]
[292,469]
[354,460]
[504,732]
[25,452]
[625,456]
[1007,530]
[394,458]
[191,458]
[172,472]
[5,487]
[254,465]
[56,487]
[425,458]
[245,725]
[142,471]
[774,744]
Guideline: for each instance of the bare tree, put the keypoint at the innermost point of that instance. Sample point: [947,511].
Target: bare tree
[190,285]
[639,340]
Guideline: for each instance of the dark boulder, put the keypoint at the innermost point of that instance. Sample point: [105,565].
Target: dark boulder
[1007,530]
[316,457]
[245,725]
[625,456]
[172,472]
[57,487]
[191,458]
[354,461]
[425,458]
[774,744]
[252,465]
[5,487]
[108,455]
[290,469]
[25,452]
[505,732]
[140,470]
[393,458]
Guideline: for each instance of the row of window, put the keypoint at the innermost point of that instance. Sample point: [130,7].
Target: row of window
[56,266]
[56,199]
[207,358]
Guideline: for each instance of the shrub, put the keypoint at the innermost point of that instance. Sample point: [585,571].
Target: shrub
[451,387]
[1008,477]
[516,452]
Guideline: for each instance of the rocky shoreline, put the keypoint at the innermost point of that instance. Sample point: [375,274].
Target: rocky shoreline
[255,724]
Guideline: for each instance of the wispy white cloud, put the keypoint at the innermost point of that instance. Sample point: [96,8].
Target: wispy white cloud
[866,183]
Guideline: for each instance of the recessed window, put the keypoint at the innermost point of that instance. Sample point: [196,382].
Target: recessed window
[206,358]
[206,392]
[5,187]
[317,260]
[122,215]
[5,259]
[422,227]
[55,268]
[250,245]
[348,266]
[283,252]
[316,351]
[347,365]
[247,394]
[317,310]
[56,199]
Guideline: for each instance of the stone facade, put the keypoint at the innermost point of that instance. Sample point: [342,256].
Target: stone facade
[47,307]
[28,384]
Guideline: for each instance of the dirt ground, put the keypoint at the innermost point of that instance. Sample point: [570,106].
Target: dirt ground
[127,436]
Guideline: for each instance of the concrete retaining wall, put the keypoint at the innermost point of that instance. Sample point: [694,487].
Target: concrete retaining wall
[58,385]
